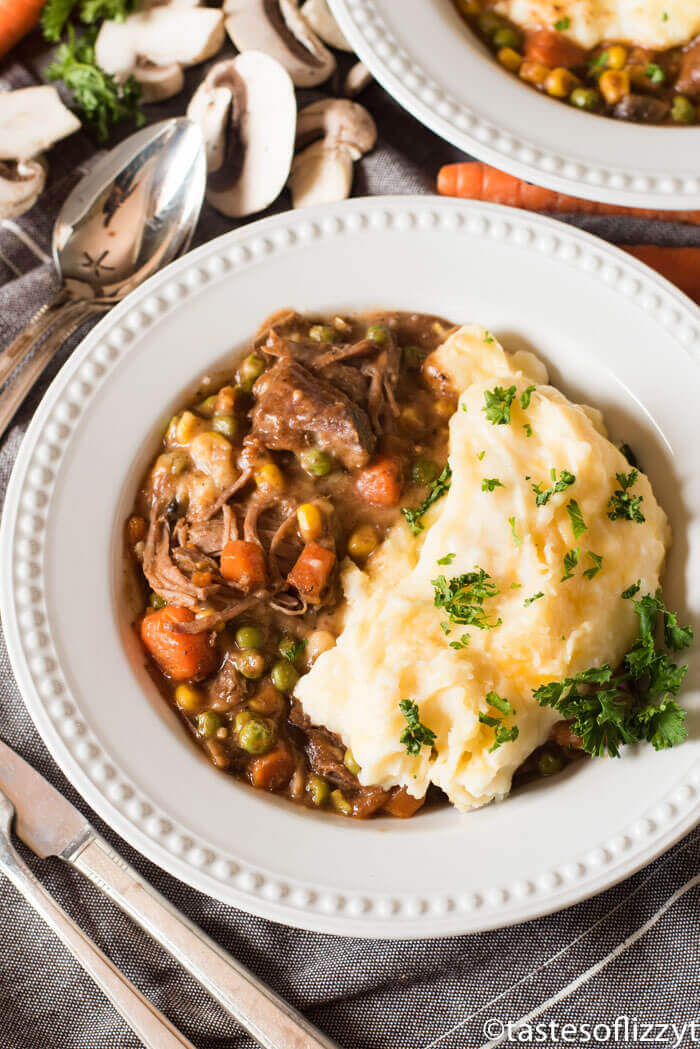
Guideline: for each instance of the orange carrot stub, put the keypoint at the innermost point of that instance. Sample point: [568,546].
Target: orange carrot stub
[243,563]
[311,571]
[273,770]
[380,483]
[473,180]
[17,18]
[403,804]
[552,49]
[183,657]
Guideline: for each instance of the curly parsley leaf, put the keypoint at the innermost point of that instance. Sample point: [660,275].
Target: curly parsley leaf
[438,488]
[631,590]
[576,517]
[535,597]
[292,648]
[489,483]
[463,596]
[525,397]
[54,16]
[570,561]
[416,734]
[542,496]
[516,538]
[591,572]
[528,429]
[447,559]
[502,733]
[114,10]
[498,402]
[622,506]
[562,24]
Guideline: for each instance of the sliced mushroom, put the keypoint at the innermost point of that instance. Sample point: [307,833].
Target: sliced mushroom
[331,134]
[31,120]
[278,28]
[357,79]
[247,111]
[158,82]
[161,36]
[318,14]
[21,182]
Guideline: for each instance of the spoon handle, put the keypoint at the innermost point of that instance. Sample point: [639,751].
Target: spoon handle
[41,322]
[71,315]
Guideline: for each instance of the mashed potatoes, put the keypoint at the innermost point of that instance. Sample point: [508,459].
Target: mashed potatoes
[655,24]
[394,646]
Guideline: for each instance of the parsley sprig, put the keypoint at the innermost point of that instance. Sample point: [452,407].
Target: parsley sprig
[497,406]
[636,705]
[463,596]
[502,733]
[438,488]
[416,734]
[622,506]
[543,495]
[578,524]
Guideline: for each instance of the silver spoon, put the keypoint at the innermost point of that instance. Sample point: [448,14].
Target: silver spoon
[134,212]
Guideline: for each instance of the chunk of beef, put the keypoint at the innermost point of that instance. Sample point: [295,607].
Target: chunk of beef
[226,689]
[688,82]
[295,409]
[642,108]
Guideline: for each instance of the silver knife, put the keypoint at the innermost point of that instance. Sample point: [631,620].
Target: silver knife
[51,826]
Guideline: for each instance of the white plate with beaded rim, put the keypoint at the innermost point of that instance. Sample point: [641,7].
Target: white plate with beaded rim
[612,332]
[426,56]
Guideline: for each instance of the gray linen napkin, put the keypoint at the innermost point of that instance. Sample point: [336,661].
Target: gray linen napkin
[628,955]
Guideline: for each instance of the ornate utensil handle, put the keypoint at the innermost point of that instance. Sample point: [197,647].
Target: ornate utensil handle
[147,1022]
[268,1018]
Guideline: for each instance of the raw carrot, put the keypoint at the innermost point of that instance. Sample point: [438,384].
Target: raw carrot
[183,657]
[476,181]
[311,571]
[243,563]
[552,49]
[679,265]
[17,18]
[379,484]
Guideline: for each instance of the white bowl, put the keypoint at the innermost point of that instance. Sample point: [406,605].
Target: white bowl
[612,332]
[425,55]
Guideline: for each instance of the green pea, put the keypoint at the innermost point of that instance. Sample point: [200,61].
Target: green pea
[350,762]
[506,37]
[584,98]
[548,763]
[318,790]
[316,462]
[251,368]
[683,111]
[424,471]
[340,803]
[489,23]
[284,676]
[249,637]
[156,601]
[322,333]
[225,424]
[208,724]
[242,718]
[251,664]
[378,333]
[256,737]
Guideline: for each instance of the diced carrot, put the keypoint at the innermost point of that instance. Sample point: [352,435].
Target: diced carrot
[380,483]
[243,563]
[183,657]
[403,804]
[552,49]
[311,571]
[273,770]
[17,18]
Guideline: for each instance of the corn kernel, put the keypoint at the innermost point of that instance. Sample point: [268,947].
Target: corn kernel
[560,83]
[510,58]
[309,521]
[269,476]
[617,56]
[614,84]
[186,426]
[362,542]
[534,73]
[188,698]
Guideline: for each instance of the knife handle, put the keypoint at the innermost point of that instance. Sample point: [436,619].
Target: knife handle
[147,1022]
[268,1018]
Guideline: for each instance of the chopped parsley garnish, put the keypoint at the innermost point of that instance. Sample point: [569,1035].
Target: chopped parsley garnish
[601,60]
[462,643]
[447,559]
[528,429]
[622,506]
[438,487]
[636,705]
[502,734]
[562,24]
[655,73]
[498,402]
[516,538]
[535,597]
[629,456]
[525,397]
[576,517]
[488,337]
[565,481]
[570,562]
[481,455]
[631,591]
[595,567]
[463,596]
[292,649]
[416,734]
[664,16]
[489,483]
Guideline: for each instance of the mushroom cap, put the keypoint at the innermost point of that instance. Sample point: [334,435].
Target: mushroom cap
[357,79]
[161,35]
[247,111]
[319,16]
[321,174]
[158,82]
[21,182]
[337,121]
[31,120]
[278,28]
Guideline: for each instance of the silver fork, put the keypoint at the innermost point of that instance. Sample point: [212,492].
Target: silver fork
[147,1022]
